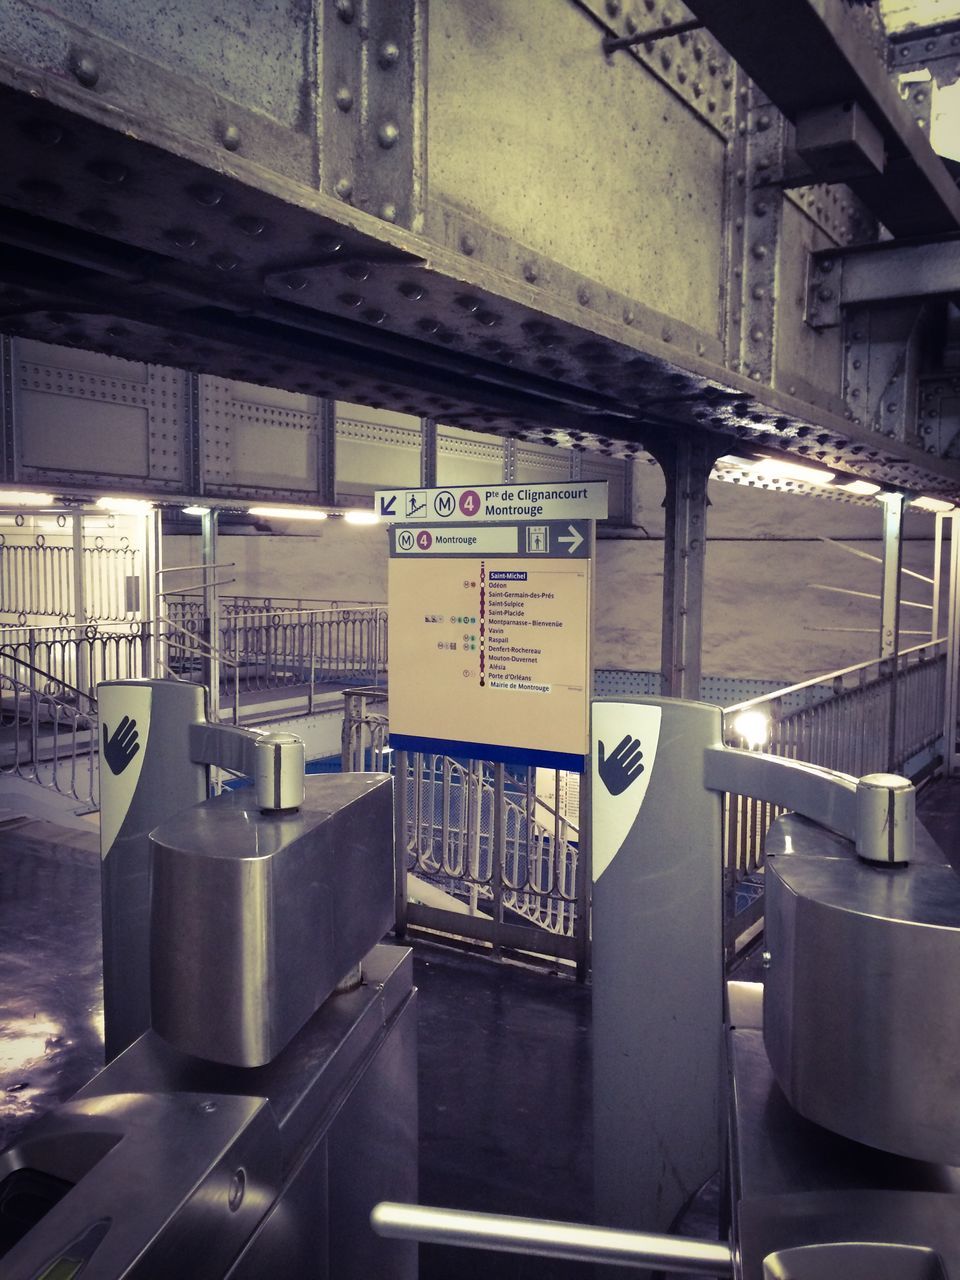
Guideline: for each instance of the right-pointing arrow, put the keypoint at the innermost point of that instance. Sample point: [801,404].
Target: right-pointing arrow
[575,540]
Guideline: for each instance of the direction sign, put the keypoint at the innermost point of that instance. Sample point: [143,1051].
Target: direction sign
[567,539]
[489,639]
[501,503]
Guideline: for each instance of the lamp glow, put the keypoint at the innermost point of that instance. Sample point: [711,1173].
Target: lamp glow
[288,513]
[731,460]
[361,517]
[124,506]
[936,505]
[780,469]
[753,727]
[196,511]
[865,488]
[16,498]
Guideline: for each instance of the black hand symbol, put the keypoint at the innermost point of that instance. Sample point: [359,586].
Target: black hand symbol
[119,750]
[620,769]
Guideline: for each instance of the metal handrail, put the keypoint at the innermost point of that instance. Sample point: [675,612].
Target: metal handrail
[541,1238]
[814,681]
[210,650]
[47,675]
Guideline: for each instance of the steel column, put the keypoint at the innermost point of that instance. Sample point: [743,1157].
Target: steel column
[211,612]
[937,575]
[152,661]
[194,436]
[428,452]
[686,463]
[401,820]
[890,609]
[509,461]
[80,604]
[890,581]
[950,702]
[8,462]
[327,452]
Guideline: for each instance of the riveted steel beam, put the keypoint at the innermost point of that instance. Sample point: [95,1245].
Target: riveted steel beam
[808,54]
[178,249]
[886,272]
[883,348]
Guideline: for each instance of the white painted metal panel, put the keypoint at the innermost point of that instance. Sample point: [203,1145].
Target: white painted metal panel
[377,448]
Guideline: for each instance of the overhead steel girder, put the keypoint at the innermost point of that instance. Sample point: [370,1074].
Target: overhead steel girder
[132,241]
[809,54]
[884,272]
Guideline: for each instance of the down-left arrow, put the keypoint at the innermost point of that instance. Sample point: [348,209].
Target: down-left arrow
[388,505]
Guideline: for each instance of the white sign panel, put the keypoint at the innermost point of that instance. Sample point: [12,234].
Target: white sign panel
[625,738]
[458,541]
[125,727]
[490,657]
[567,500]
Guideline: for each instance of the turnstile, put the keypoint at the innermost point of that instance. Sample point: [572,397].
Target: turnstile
[273,1101]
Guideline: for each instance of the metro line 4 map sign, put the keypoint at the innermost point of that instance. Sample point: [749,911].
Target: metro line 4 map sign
[489,639]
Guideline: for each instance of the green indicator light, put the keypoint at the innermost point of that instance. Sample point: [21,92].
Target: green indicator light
[62,1269]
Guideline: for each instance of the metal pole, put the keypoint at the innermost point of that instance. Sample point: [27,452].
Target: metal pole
[584,896]
[892,505]
[499,848]
[937,575]
[400,841]
[314,622]
[544,1239]
[152,659]
[82,675]
[211,612]
[584,876]
[950,707]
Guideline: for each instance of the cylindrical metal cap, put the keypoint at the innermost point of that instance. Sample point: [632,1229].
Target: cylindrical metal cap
[886,818]
[278,777]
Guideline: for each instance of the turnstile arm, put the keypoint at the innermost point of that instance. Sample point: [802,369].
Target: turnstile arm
[546,1239]
[877,811]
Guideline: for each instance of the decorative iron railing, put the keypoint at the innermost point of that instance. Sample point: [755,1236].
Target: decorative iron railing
[482,853]
[38,578]
[265,645]
[49,738]
[79,658]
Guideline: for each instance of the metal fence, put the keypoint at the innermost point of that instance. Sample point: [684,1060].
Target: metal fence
[482,853]
[39,577]
[267,644]
[47,740]
[62,661]
[874,717]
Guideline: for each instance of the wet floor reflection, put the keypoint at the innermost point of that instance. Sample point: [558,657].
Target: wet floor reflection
[51,989]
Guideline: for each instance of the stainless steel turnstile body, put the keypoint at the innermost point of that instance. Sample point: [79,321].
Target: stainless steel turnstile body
[273,1102]
[168,1165]
[856,1029]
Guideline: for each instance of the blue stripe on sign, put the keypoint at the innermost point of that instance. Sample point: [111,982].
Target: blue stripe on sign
[489,751]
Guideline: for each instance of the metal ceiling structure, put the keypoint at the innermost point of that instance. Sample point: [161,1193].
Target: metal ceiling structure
[363,200]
